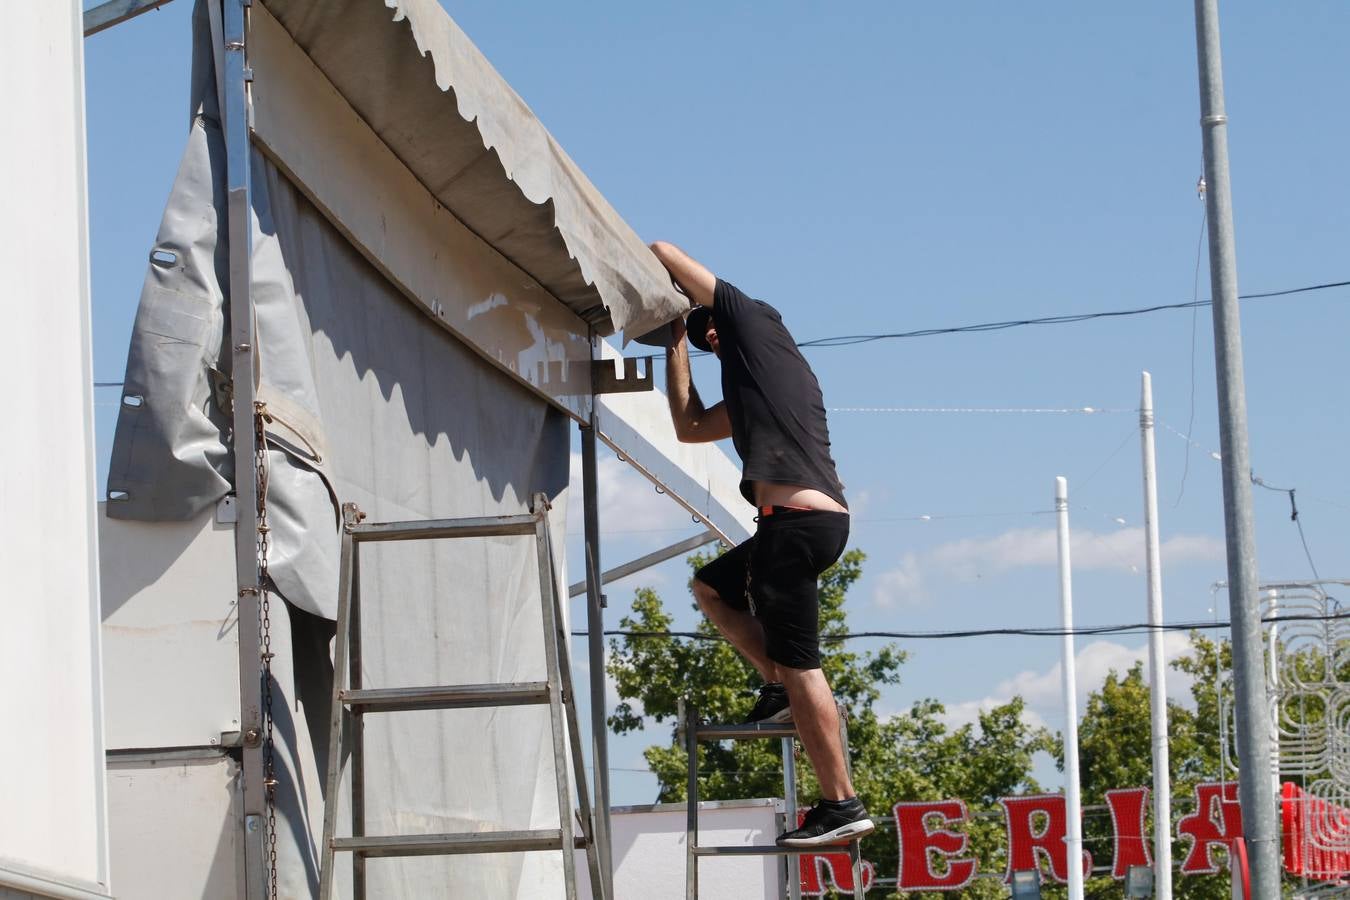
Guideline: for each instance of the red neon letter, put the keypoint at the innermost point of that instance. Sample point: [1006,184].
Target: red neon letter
[1027,842]
[1127,820]
[917,842]
[1216,821]
[837,874]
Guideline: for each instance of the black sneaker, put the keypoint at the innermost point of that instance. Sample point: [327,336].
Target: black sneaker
[772,706]
[830,822]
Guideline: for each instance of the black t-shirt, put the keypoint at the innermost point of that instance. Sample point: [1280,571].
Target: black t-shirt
[773,399]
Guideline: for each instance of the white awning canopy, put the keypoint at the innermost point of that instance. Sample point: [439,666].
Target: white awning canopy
[419,82]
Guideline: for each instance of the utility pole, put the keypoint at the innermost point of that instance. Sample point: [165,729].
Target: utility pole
[1157,662]
[1256,787]
[1072,798]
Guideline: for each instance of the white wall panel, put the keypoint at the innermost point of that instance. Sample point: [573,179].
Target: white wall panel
[170,645]
[52,818]
[175,828]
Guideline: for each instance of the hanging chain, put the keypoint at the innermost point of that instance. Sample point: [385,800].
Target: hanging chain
[260,419]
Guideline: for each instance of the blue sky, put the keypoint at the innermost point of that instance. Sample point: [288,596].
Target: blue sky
[894,166]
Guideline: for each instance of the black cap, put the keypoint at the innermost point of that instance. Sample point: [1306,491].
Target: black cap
[697,327]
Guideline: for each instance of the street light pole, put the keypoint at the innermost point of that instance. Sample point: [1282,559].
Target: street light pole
[1256,786]
[1157,661]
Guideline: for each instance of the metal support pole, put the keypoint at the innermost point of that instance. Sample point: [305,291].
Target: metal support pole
[1074,806]
[595,626]
[243,366]
[1256,787]
[1157,662]
[689,715]
[793,863]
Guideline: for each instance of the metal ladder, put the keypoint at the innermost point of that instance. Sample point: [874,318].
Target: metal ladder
[353,702]
[694,732]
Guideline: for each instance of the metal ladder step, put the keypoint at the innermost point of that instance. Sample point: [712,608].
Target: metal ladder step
[452,844]
[773,850]
[746,732]
[459,696]
[436,529]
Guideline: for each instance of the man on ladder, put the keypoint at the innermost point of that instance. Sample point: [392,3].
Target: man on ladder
[762,595]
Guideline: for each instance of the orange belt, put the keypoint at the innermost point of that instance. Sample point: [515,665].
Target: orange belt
[770,510]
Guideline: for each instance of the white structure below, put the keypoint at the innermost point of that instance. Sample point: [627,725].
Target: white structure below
[649,851]
[53,829]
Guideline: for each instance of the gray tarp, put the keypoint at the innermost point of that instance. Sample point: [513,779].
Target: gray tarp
[372,403]
[426,90]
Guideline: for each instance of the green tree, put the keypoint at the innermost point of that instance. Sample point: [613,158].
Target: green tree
[908,756]
[1115,751]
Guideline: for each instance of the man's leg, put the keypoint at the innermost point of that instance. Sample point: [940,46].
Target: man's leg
[817,718]
[739,627]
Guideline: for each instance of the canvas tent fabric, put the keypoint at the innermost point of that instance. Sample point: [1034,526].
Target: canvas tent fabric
[370,402]
[429,93]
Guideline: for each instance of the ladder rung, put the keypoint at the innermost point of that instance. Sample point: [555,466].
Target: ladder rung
[769,850]
[455,844]
[460,696]
[485,526]
[746,732]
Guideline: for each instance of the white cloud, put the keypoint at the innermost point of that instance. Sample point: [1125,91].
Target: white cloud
[1043,690]
[859,502]
[901,586]
[971,558]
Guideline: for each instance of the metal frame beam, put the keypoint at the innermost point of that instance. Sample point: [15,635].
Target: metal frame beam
[243,368]
[115,12]
[651,559]
[595,626]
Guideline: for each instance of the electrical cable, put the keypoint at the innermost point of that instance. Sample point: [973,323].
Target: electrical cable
[853,339]
[1293,517]
[1082,631]
[1195,295]
[1025,410]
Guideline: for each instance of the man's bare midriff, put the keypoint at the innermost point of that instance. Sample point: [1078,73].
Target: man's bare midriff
[770,493]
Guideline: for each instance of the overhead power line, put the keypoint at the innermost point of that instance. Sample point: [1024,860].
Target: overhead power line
[849,340]
[1086,631]
[1008,410]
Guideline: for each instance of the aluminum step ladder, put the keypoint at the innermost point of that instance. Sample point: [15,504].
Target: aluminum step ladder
[694,732]
[351,703]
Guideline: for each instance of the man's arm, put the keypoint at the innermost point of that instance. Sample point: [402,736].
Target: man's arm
[693,423]
[688,273]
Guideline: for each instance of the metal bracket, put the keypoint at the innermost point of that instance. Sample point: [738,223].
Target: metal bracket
[222,389]
[604,381]
[351,516]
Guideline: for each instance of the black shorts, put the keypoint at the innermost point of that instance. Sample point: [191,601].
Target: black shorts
[773,576]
